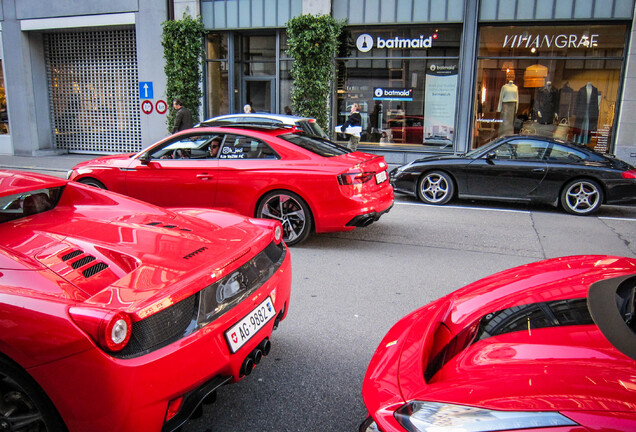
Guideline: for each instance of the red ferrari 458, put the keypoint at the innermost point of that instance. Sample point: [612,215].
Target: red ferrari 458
[116,315]
[549,346]
[267,171]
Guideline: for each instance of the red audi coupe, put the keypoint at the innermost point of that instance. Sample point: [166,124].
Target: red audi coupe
[549,346]
[116,315]
[268,171]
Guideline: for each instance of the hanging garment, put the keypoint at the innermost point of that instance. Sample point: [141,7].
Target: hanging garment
[546,104]
[586,112]
[566,100]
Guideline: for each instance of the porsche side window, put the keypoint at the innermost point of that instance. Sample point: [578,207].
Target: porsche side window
[529,150]
[242,147]
[28,203]
[566,154]
[504,151]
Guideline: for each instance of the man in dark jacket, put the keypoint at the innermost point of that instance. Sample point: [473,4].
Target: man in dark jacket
[355,119]
[183,118]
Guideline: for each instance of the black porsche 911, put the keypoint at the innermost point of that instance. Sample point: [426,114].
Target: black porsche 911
[522,168]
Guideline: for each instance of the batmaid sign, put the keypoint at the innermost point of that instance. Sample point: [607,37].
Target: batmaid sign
[550,41]
[365,42]
[392,94]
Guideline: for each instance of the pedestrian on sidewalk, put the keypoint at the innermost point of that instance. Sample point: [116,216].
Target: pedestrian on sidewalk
[183,118]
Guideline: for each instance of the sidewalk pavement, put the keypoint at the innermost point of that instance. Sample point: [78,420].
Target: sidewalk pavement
[55,165]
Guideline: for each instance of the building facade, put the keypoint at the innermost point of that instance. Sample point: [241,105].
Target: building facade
[429,76]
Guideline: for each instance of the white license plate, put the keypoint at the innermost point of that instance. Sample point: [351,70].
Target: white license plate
[242,331]
[380,177]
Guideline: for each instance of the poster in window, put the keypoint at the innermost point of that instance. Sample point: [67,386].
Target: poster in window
[440,103]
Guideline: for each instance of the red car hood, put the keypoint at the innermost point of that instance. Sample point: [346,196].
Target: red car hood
[562,367]
[122,159]
[123,253]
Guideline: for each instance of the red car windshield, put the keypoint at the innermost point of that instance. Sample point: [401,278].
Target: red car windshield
[28,203]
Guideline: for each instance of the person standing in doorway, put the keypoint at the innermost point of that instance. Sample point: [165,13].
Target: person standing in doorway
[248,108]
[183,118]
[355,119]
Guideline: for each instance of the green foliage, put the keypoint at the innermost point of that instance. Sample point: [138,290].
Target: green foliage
[183,52]
[313,41]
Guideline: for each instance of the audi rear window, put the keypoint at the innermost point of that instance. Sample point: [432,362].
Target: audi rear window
[319,146]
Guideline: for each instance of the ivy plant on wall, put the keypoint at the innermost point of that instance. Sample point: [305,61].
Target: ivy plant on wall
[312,40]
[183,52]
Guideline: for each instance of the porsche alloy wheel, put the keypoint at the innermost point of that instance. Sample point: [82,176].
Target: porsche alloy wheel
[581,197]
[291,211]
[92,182]
[435,187]
[23,405]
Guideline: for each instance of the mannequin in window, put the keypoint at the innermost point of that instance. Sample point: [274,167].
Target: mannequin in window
[586,112]
[508,105]
[546,103]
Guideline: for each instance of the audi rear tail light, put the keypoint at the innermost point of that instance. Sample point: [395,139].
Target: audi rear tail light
[357,177]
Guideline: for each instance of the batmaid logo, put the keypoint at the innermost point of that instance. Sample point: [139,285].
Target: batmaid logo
[365,42]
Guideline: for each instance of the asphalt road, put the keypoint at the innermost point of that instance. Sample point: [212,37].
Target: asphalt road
[350,288]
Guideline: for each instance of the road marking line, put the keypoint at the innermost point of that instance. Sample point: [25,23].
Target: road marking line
[462,207]
[503,210]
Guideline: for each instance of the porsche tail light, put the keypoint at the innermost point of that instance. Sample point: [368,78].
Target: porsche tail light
[631,174]
[356,177]
[110,330]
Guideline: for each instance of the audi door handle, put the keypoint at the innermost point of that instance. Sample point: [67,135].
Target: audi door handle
[204,176]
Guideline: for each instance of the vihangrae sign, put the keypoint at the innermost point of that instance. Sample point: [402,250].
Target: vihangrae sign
[551,41]
[596,40]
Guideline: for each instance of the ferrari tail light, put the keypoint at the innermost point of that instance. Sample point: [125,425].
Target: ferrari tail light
[174,407]
[269,223]
[631,174]
[278,233]
[110,330]
[356,177]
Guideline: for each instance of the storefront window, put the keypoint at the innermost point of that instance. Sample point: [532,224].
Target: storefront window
[4,116]
[217,75]
[560,82]
[405,81]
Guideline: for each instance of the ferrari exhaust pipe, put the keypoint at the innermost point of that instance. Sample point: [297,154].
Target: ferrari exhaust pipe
[265,347]
[256,356]
[247,367]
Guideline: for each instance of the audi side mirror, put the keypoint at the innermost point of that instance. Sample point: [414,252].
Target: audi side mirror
[144,159]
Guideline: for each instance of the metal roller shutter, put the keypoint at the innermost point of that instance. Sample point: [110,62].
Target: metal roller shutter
[93,91]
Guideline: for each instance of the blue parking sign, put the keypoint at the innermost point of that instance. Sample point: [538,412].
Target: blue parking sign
[145,90]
